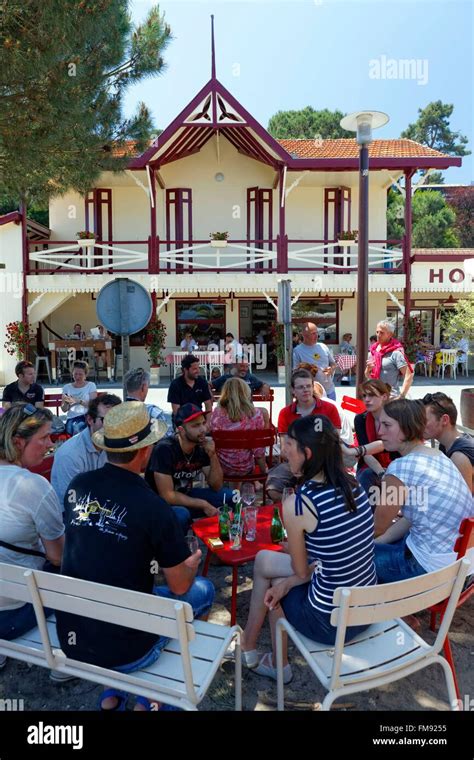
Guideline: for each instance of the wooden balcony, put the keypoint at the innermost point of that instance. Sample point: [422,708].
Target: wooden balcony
[278,255]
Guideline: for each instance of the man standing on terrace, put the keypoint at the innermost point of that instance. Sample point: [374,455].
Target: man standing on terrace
[319,355]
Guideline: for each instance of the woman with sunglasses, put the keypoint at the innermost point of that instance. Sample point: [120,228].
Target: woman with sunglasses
[428,490]
[31,526]
[371,469]
[330,541]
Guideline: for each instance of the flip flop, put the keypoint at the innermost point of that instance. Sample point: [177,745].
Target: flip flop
[163,708]
[122,697]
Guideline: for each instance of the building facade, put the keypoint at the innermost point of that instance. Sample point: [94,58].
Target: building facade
[284,204]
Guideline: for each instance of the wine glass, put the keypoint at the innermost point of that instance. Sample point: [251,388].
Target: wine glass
[247,493]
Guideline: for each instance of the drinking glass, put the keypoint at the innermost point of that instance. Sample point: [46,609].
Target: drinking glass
[247,492]
[250,523]
[287,492]
[235,533]
[193,543]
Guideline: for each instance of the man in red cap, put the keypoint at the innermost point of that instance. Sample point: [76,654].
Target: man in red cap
[177,461]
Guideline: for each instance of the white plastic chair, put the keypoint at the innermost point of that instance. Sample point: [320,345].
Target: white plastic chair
[389,649]
[448,359]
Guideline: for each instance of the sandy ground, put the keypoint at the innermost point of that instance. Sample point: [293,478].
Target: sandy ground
[422,691]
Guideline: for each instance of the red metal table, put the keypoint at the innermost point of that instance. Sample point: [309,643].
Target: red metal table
[208,528]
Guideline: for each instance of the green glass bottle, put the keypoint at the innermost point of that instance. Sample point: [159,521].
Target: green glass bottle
[276,528]
[224,523]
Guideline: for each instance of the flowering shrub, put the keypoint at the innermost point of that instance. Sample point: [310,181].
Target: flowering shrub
[155,338]
[18,339]
[85,235]
[219,235]
[348,235]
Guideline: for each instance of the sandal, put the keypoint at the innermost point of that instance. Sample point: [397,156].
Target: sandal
[122,697]
[148,705]
[266,668]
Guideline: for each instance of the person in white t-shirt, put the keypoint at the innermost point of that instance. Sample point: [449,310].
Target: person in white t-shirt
[76,397]
[188,343]
[31,525]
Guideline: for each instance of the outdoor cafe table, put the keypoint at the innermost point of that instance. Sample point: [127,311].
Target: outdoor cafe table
[345,362]
[208,527]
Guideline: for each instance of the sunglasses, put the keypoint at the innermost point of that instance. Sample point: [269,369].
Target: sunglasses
[430,400]
[29,409]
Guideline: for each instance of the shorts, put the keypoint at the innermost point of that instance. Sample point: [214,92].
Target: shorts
[280,477]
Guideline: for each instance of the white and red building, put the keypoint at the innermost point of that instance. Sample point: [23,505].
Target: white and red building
[283,203]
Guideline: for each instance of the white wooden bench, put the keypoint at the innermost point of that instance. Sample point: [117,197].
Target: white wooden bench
[182,674]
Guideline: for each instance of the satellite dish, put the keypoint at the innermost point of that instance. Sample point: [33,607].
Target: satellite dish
[124,307]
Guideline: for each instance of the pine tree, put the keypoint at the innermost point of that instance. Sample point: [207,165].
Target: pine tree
[65,66]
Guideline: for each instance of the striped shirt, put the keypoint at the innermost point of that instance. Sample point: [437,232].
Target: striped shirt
[342,544]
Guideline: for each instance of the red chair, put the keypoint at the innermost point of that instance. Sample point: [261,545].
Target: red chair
[53,400]
[44,468]
[353,405]
[462,545]
[247,439]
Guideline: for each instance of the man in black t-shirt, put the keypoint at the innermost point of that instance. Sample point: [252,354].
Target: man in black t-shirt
[190,388]
[441,418]
[25,389]
[117,532]
[176,462]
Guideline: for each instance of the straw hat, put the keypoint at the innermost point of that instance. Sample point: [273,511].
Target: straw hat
[127,427]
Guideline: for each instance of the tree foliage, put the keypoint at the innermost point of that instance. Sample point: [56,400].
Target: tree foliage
[461,200]
[432,129]
[458,322]
[65,66]
[432,220]
[308,124]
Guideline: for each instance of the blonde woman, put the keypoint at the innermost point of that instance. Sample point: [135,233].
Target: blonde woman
[235,411]
[76,397]
[31,525]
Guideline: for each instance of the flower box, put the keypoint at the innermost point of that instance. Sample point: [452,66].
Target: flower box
[218,243]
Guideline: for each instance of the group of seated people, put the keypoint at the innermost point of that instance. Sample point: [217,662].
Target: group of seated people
[123,494]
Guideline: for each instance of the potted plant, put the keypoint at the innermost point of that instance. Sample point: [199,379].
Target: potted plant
[86,239]
[18,340]
[347,238]
[155,338]
[219,239]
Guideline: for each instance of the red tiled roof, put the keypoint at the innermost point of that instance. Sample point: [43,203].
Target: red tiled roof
[348,148]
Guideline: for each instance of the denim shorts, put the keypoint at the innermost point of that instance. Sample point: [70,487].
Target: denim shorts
[395,562]
[312,623]
[200,596]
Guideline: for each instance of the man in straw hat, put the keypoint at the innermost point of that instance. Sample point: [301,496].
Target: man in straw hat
[117,532]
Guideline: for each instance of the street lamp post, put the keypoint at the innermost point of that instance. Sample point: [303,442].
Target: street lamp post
[362,122]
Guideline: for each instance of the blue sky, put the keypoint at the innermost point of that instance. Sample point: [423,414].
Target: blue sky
[278,55]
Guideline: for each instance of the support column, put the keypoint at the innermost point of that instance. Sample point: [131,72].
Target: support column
[363,265]
[407,250]
[153,262]
[282,253]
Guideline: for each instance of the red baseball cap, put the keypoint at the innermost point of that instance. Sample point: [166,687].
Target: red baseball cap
[186,413]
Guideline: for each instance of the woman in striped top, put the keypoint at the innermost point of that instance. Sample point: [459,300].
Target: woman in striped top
[330,539]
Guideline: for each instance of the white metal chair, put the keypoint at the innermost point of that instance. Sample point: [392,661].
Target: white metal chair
[389,649]
[462,362]
[448,359]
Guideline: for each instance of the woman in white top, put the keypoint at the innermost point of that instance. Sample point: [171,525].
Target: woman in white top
[428,489]
[31,526]
[76,397]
